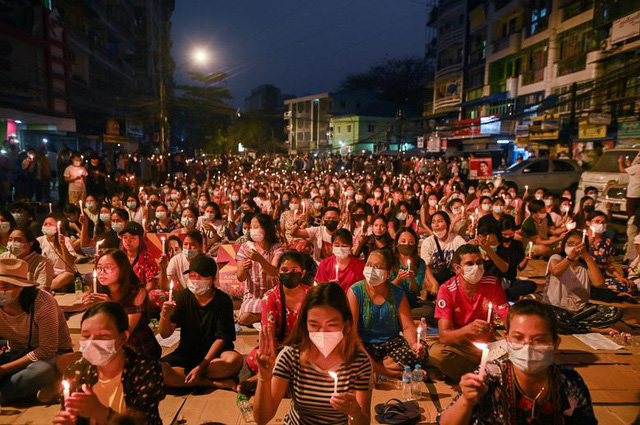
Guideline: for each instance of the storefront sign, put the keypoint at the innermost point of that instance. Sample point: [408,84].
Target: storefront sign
[467,128]
[480,168]
[489,125]
[107,138]
[625,27]
[629,129]
[590,131]
[420,142]
[522,130]
[113,127]
[599,119]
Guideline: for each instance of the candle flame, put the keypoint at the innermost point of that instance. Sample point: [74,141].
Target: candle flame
[65,384]
[333,374]
[481,346]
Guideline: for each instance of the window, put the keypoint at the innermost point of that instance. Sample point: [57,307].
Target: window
[300,107]
[349,128]
[562,167]
[537,167]
[338,129]
[307,136]
[534,61]
[371,128]
[538,20]
[573,48]
[299,136]
[575,8]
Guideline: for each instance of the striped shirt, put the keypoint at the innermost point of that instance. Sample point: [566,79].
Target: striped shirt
[49,335]
[311,387]
[258,282]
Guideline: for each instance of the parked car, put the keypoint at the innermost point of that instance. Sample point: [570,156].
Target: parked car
[616,196]
[606,171]
[553,174]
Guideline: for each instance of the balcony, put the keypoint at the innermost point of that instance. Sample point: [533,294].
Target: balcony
[572,64]
[447,68]
[508,44]
[446,5]
[447,102]
[449,36]
[532,76]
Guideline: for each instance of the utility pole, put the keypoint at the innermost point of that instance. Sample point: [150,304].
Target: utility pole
[572,116]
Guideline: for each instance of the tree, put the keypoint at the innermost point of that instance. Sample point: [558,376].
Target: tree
[200,114]
[400,80]
[258,131]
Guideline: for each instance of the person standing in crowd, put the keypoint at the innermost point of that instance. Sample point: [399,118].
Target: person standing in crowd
[75,175]
[631,167]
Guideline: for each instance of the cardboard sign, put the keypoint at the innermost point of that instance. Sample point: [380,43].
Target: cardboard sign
[480,168]
[227,280]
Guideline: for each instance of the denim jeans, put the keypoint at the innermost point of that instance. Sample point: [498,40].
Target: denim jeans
[27,382]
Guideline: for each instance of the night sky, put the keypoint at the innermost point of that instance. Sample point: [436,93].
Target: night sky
[301,46]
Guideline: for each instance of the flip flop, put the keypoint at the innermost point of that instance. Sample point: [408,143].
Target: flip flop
[397,405]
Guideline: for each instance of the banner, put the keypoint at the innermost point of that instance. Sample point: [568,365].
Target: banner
[480,168]
[227,280]
[154,242]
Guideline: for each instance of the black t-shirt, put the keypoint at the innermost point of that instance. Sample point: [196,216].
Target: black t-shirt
[513,255]
[489,220]
[200,326]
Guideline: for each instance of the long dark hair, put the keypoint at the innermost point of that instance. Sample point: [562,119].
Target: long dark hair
[30,237]
[414,254]
[270,236]
[127,277]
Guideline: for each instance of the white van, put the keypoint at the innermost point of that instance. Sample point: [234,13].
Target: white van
[606,171]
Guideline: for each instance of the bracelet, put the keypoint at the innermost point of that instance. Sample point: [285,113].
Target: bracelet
[260,379]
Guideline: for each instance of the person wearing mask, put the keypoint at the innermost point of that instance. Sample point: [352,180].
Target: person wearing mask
[257,261]
[324,339]
[377,203]
[162,223]
[497,212]
[381,311]
[410,272]
[134,209]
[632,169]
[379,238]
[58,250]
[527,386]
[109,379]
[401,217]
[119,219]
[462,309]
[204,314]
[358,221]
[342,267]
[290,217]
[437,251]
[538,228]
[7,224]
[91,208]
[512,252]
[23,216]
[213,227]
[174,269]
[586,206]
[35,331]
[280,307]
[23,245]
[144,266]
[75,175]
[426,212]
[321,236]
[188,220]
[315,216]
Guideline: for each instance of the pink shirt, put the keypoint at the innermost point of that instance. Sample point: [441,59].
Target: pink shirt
[346,277]
[455,305]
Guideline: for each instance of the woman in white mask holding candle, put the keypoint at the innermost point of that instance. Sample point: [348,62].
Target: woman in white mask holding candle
[525,387]
[324,340]
[381,311]
[109,379]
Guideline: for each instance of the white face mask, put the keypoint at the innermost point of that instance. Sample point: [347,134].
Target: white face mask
[234,198]
[401,216]
[105,217]
[359,198]
[190,253]
[294,207]
[497,209]
[440,235]
[131,205]
[198,287]
[548,202]
[473,274]
[374,276]
[485,207]
[565,208]
[598,228]
[257,235]
[538,197]
[455,211]
[117,227]
[5,226]
[161,215]
[210,216]
[542,216]
[433,202]
[568,250]
[49,230]
[326,342]
[530,359]
[187,222]
[341,252]
[317,206]
[202,204]
[15,248]
[98,352]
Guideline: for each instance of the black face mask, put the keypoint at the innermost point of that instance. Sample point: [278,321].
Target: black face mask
[507,240]
[290,280]
[331,225]
[378,237]
[589,208]
[405,249]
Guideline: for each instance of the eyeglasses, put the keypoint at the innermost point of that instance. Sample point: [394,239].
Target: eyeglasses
[105,269]
[519,341]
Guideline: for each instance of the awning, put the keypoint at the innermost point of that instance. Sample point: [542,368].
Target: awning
[487,99]
[39,122]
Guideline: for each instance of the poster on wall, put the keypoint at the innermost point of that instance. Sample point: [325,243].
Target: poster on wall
[480,168]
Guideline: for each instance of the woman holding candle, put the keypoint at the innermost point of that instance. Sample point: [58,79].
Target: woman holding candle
[291,216]
[118,282]
[213,227]
[400,217]
[378,239]
[381,310]
[57,248]
[257,265]
[24,245]
[342,267]
[162,223]
[110,379]
[427,210]
[358,220]
[324,339]
[410,272]
[526,387]
[35,329]
[144,265]
[188,220]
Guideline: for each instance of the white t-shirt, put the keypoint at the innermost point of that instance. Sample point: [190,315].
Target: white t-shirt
[176,268]
[55,257]
[429,247]
[318,236]
[571,291]
[73,171]
[633,189]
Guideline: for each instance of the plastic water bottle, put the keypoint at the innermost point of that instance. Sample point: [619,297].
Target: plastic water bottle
[416,387]
[423,328]
[407,387]
[245,408]
[78,286]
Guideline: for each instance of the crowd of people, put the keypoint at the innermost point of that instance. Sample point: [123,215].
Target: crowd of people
[338,258]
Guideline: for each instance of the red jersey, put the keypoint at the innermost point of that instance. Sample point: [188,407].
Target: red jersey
[454,304]
[346,277]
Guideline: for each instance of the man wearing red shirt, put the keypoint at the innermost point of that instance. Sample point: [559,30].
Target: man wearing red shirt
[462,309]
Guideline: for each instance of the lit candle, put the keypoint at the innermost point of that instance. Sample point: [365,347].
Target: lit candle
[489,316]
[144,223]
[530,247]
[80,203]
[95,281]
[303,208]
[408,265]
[334,375]
[66,388]
[171,290]
[389,202]
[584,236]
[50,209]
[419,332]
[337,269]
[59,224]
[164,242]
[98,246]
[483,359]
[526,187]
